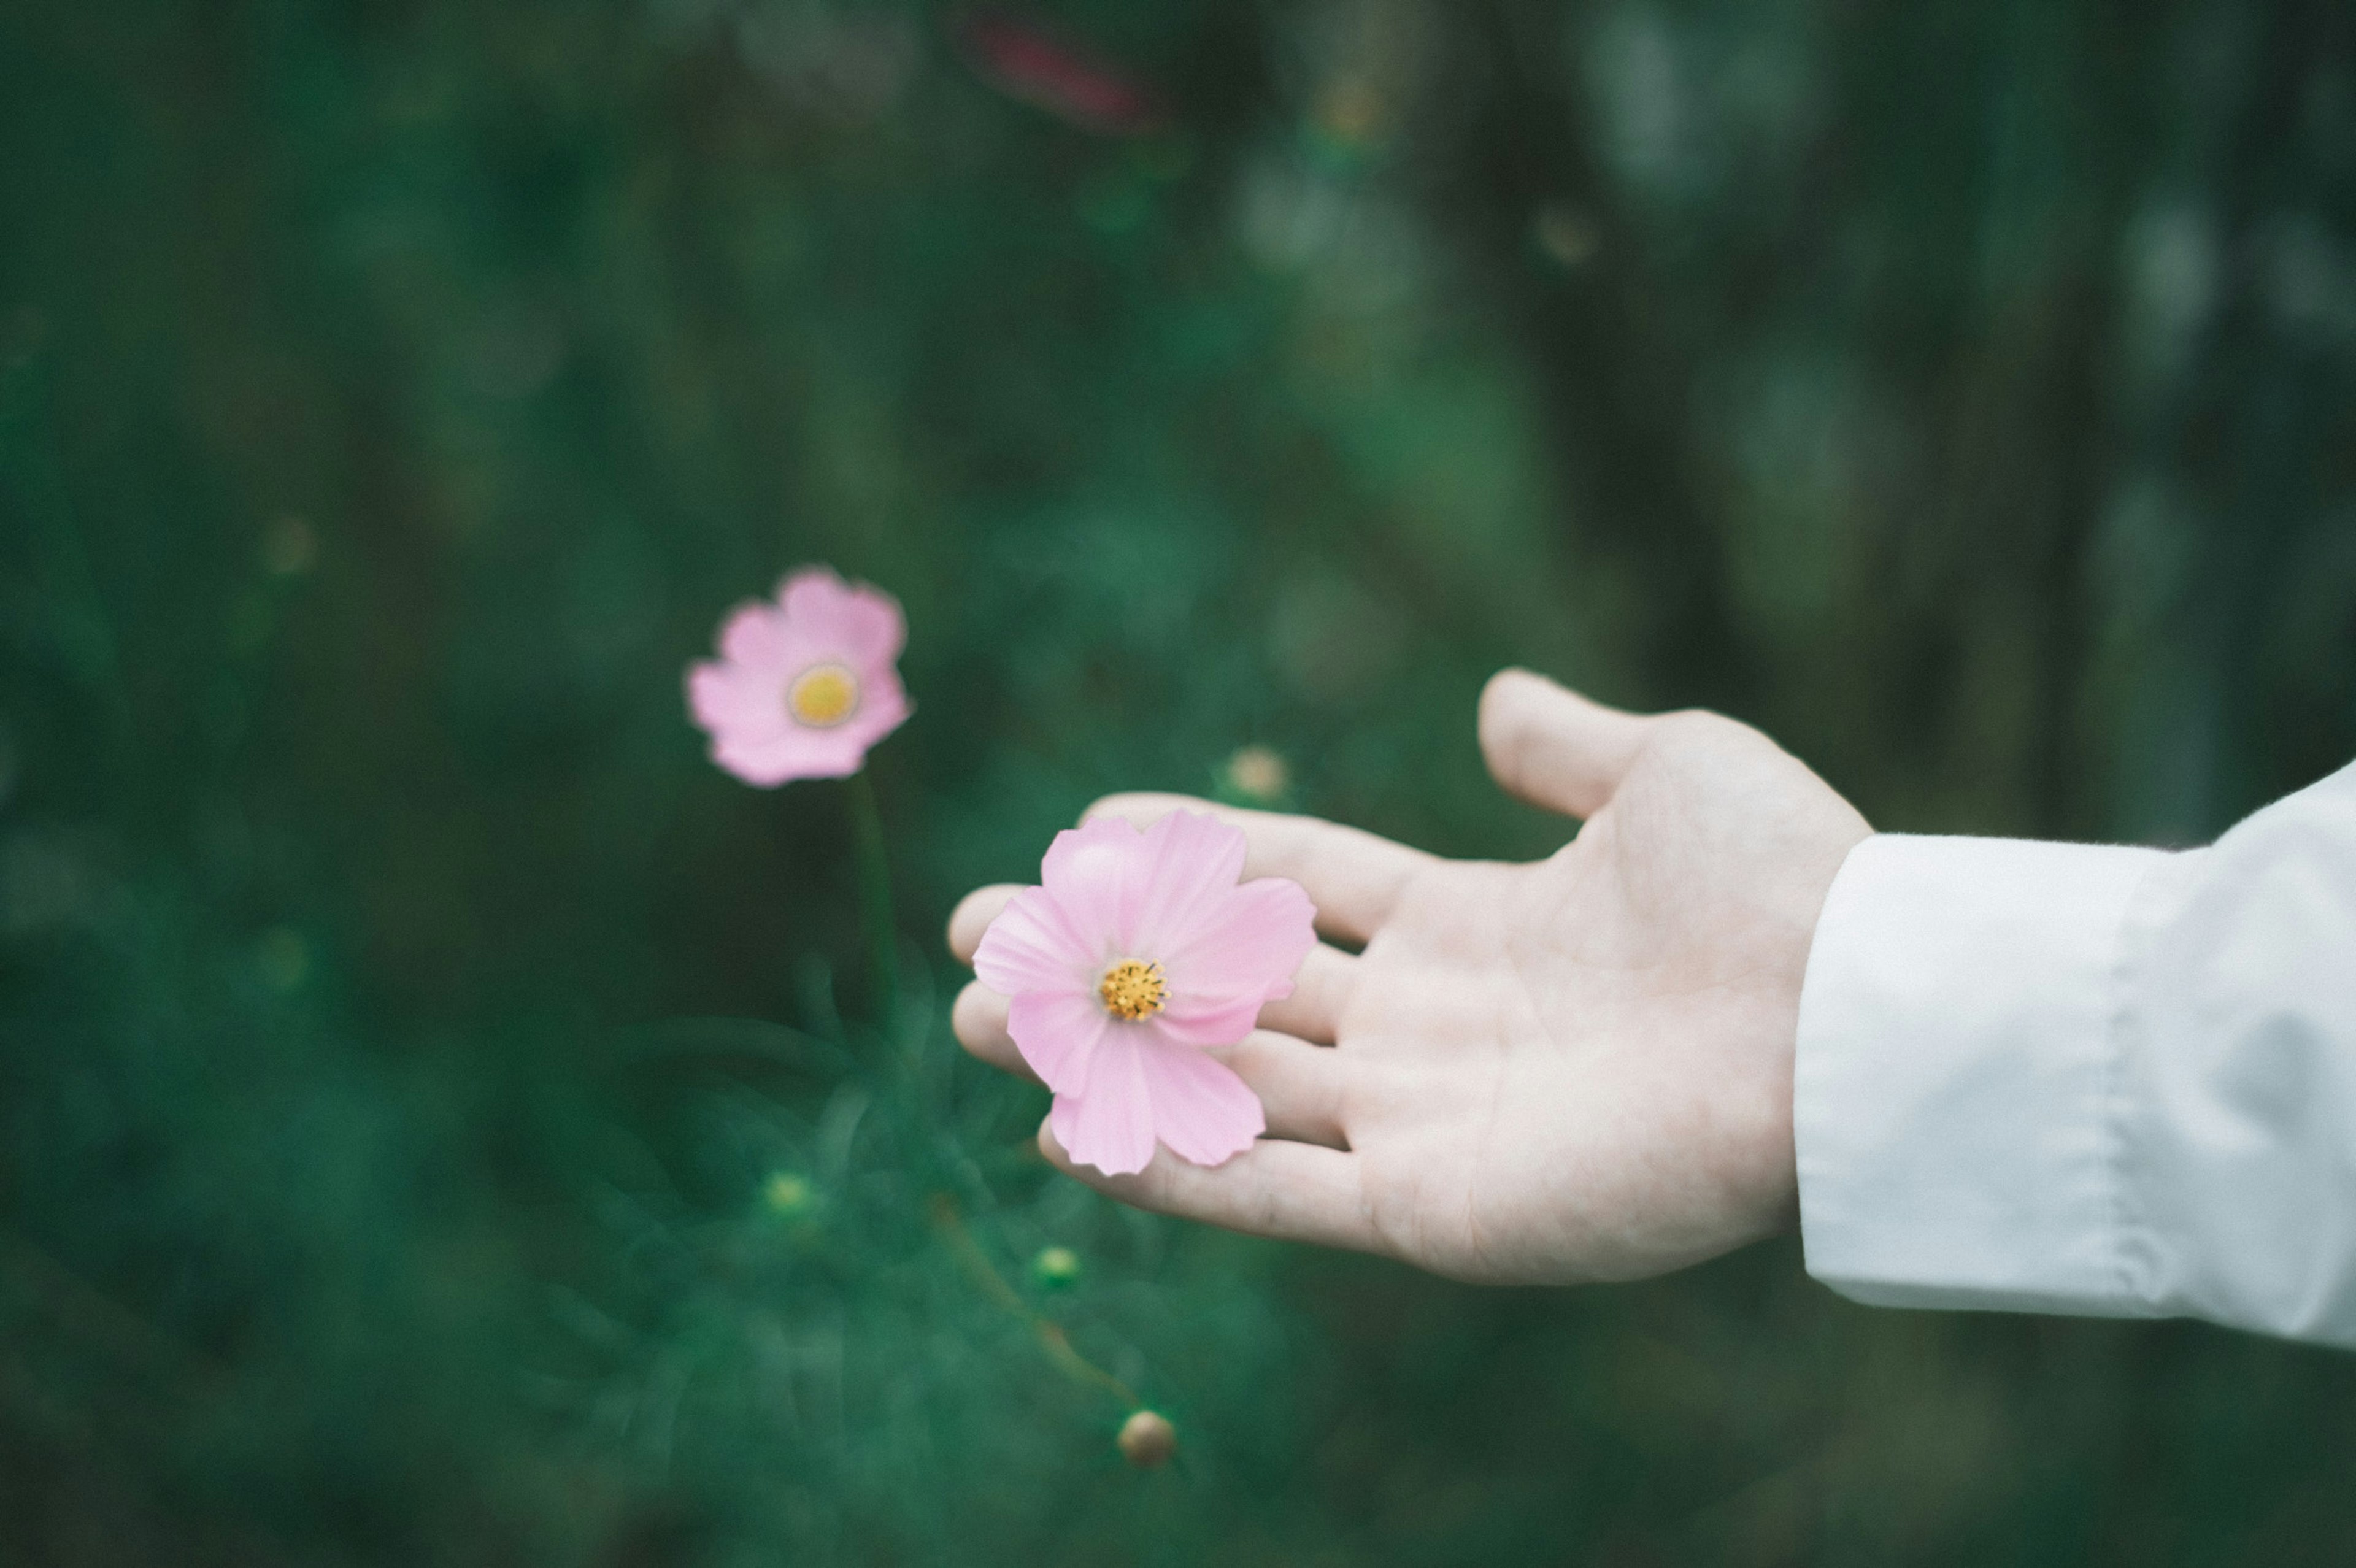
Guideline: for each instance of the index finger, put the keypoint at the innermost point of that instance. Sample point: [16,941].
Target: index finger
[1354,878]
[972,917]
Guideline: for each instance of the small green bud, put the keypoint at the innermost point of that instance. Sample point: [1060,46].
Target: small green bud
[789,1196]
[1257,775]
[1057,1268]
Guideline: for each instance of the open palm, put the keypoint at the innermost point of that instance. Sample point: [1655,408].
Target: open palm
[1575,1068]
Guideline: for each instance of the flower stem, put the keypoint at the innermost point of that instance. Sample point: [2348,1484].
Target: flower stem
[1049,1333]
[876,897]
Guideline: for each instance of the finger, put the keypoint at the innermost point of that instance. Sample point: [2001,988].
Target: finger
[1293,1192]
[1353,878]
[972,917]
[978,1018]
[1554,748]
[1300,1085]
[1320,991]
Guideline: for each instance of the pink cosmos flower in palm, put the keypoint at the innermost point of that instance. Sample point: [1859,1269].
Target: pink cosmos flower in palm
[805,685]
[1140,949]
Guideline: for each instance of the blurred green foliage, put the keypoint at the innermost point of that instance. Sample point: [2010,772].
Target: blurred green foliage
[446,1121]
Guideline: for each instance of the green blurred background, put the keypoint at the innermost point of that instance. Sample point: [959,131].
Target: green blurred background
[448,1122]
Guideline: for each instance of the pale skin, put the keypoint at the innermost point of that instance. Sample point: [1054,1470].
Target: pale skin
[1575,1068]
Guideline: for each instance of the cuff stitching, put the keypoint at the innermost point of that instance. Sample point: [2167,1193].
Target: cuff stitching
[2121,1034]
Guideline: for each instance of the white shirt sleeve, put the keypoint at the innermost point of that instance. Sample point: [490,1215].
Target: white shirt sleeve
[2076,1078]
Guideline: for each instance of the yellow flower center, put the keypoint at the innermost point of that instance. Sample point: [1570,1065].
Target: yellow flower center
[822,696]
[1132,990]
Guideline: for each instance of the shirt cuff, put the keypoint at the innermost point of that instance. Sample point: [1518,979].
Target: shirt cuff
[1952,1092]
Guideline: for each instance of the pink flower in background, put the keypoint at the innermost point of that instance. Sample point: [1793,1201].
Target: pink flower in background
[1024,62]
[804,686]
[1140,949]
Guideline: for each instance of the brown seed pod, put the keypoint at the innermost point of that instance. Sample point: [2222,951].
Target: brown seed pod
[1147,1440]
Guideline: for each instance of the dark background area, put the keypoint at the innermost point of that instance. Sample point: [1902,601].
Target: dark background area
[404,1030]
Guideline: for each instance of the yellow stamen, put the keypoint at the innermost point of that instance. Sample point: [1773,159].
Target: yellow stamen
[1132,990]
[822,696]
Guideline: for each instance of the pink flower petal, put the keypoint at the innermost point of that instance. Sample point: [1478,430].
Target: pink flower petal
[1251,945]
[862,625]
[1034,947]
[1144,888]
[1059,1033]
[808,592]
[1108,1123]
[1095,873]
[883,707]
[754,636]
[794,754]
[1199,1020]
[725,700]
[751,736]
[1191,867]
[1140,1089]
[1202,1110]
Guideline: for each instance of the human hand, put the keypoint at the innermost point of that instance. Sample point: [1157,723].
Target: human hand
[1575,1068]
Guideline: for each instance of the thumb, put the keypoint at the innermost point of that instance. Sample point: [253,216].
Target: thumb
[1554,748]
